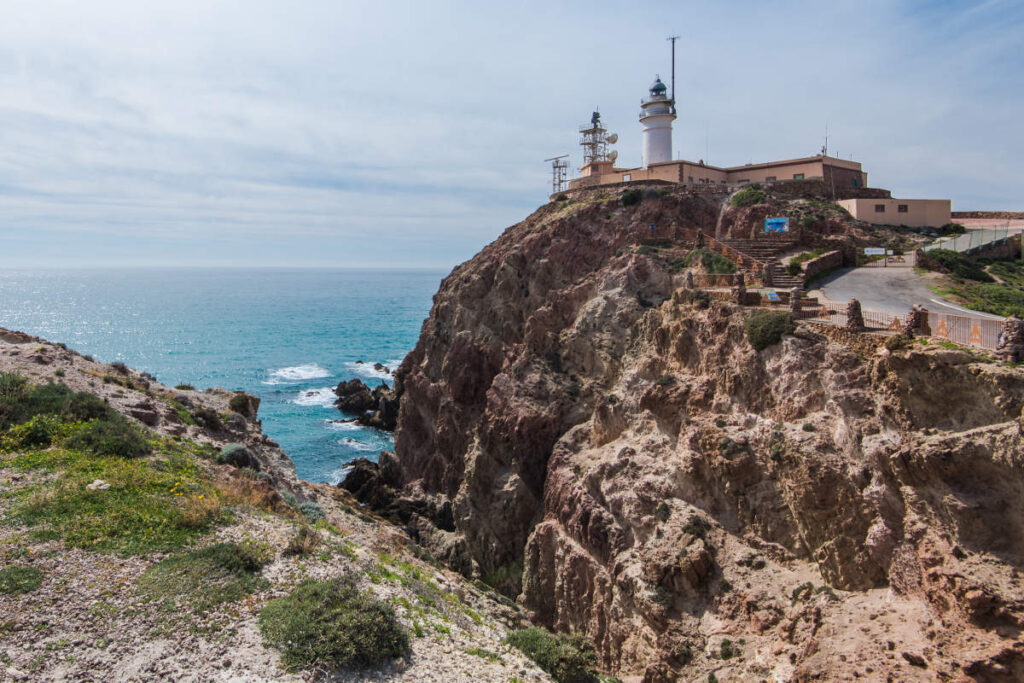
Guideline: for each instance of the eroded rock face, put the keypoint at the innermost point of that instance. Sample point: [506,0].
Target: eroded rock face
[628,466]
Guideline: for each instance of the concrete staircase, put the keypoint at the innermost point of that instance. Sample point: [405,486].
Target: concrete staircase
[761,249]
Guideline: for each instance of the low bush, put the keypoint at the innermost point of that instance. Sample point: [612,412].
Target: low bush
[115,437]
[766,328]
[568,658]
[303,542]
[207,577]
[184,387]
[311,510]
[897,342]
[561,197]
[748,196]
[208,419]
[959,265]
[710,261]
[17,579]
[332,624]
[20,402]
[39,432]
[631,197]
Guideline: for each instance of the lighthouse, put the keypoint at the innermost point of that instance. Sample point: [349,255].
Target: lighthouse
[657,113]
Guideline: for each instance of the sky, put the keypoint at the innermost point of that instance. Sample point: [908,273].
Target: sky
[410,134]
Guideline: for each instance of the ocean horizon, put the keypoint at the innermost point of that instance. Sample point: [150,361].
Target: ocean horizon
[287,335]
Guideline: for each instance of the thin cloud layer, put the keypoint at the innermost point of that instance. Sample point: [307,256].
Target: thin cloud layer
[352,134]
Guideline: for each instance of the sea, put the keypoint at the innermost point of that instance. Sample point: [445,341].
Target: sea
[289,336]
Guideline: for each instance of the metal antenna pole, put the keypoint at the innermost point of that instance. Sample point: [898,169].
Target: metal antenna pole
[673,40]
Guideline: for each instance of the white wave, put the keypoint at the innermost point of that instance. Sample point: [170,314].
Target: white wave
[367,369]
[361,445]
[337,426]
[297,373]
[316,397]
[339,474]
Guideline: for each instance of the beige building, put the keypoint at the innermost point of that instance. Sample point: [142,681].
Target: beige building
[841,173]
[914,213]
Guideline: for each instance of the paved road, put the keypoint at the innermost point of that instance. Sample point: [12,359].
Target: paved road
[893,290]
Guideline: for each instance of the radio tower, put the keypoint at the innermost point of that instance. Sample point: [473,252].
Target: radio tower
[559,170]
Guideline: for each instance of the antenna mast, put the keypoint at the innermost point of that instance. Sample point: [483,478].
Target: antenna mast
[673,40]
[559,169]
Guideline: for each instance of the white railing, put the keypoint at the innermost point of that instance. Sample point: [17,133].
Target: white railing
[973,239]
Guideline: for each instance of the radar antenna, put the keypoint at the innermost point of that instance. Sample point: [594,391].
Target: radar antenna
[559,171]
[594,138]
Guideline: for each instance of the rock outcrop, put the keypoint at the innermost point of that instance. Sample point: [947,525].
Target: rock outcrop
[575,432]
[376,408]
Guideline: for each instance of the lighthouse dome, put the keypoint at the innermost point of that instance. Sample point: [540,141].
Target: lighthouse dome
[658,88]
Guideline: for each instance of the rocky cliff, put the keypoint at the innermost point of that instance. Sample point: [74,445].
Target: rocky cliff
[612,451]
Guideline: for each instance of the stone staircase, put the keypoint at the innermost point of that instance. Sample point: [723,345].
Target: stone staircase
[761,249]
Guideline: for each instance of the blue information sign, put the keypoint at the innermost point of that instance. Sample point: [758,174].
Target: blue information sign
[776,224]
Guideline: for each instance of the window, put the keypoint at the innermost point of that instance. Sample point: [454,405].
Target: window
[626,178]
[879,208]
[903,208]
[798,176]
[691,179]
[745,180]
[769,179]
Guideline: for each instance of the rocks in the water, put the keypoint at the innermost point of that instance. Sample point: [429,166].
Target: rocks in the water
[377,408]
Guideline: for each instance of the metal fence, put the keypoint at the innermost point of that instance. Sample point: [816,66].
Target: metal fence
[960,329]
[908,260]
[974,239]
[964,330]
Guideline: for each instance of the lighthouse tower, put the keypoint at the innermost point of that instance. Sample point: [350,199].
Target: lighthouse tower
[657,113]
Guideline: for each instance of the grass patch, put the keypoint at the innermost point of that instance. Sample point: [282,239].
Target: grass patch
[17,579]
[485,654]
[1005,297]
[960,265]
[303,542]
[146,508]
[332,624]
[631,197]
[568,658]
[710,261]
[207,577]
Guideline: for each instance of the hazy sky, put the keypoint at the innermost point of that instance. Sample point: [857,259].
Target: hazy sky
[334,133]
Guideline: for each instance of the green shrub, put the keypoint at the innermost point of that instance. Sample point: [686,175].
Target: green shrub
[568,658]
[710,261]
[207,577]
[115,437]
[897,342]
[184,387]
[631,197]
[665,381]
[303,542]
[766,328]
[748,196]
[562,197]
[18,578]
[959,265]
[20,402]
[38,432]
[332,624]
[239,403]
[697,526]
[311,511]
[951,229]
[727,649]
[208,419]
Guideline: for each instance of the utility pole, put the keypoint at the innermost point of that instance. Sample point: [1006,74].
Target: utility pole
[673,40]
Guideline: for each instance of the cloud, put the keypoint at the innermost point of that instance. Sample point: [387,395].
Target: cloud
[342,133]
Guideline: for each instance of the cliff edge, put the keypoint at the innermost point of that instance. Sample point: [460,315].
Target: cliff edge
[610,450]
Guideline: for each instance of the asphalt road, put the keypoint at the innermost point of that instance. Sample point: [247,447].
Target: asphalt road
[892,290]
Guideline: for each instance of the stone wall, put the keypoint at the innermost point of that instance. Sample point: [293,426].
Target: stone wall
[832,259]
[1002,215]
[863,343]
[822,190]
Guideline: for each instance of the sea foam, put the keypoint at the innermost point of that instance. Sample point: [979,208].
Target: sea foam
[316,397]
[297,373]
[367,370]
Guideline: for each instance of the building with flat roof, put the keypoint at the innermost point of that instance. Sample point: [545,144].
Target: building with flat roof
[656,116]
[913,213]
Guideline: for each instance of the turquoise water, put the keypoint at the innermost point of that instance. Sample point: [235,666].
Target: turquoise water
[287,336]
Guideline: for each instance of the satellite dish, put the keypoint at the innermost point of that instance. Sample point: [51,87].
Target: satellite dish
[613,155]
[613,138]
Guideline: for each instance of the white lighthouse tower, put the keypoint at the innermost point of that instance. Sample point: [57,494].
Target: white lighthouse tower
[657,113]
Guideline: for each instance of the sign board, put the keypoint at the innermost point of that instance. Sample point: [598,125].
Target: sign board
[874,251]
[772,296]
[776,224]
